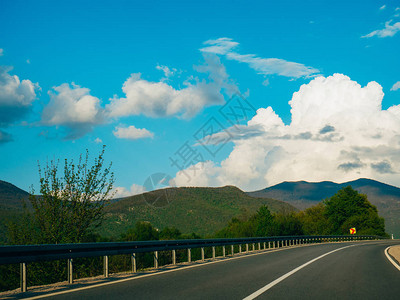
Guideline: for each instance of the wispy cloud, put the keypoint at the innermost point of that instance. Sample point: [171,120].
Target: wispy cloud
[132,133]
[388,31]
[395,86]
[265,66]
[168,72]
[382,7]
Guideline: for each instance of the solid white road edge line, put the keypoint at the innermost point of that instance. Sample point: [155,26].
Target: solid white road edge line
[283,277]
[390,259]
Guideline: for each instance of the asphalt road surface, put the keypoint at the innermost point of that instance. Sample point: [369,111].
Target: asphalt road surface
[360,271]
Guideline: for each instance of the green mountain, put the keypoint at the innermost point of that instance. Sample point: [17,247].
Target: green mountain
[302,194]
[190,209]
[11,197]
[11,205]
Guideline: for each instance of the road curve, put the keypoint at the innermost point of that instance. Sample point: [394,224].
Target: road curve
[358,272]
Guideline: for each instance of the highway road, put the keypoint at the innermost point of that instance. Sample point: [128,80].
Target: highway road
[358,270]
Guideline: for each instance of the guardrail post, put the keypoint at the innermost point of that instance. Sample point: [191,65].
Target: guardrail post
[133,259]
[269,245]
[202,253]
[174,257]
[265,245]
[247,247]
[259,246]
[155,259]
[223,250]
[213,252]
[232,250]
[70,271]
[189,255]
[254,246]
[105,266]
[22,267]
[240,248]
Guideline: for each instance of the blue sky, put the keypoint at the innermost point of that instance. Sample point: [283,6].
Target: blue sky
[147,79]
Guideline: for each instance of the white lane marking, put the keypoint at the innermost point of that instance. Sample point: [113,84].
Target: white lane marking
[390,259]
[270,250]
[283,277]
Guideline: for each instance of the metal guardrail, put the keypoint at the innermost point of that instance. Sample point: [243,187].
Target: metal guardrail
[34,253]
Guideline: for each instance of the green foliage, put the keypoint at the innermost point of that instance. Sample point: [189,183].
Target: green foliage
[347,209]
[288,224]
[262,223]
[191,209]
[67,210]
[335,216]
[142,231]
[70,207]
[170,233]
[315,221]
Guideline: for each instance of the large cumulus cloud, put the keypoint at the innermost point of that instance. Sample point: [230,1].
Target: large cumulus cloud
[338,132]
[72,107]
[16,98]
[159,99]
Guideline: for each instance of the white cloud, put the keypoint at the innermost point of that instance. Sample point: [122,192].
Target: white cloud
[74,108]
[266,66]
[382,7]
[158,99]
[388,31]
[98,141]
[338,132]
[167,72]
[16,96]
[132,133]
[265,82]
[121,192]
[395,86]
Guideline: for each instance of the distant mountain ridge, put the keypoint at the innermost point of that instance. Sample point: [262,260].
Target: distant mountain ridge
[205,210]
[11,197]
[199,210]
[303,194]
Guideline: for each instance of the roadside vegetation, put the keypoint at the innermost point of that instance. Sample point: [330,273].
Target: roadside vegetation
[70,208]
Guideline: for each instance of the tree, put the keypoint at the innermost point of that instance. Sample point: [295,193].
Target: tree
[264,222]
[288,224]
[315,221]
[142,231]
[69,207]
[347,208]
[170,233]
